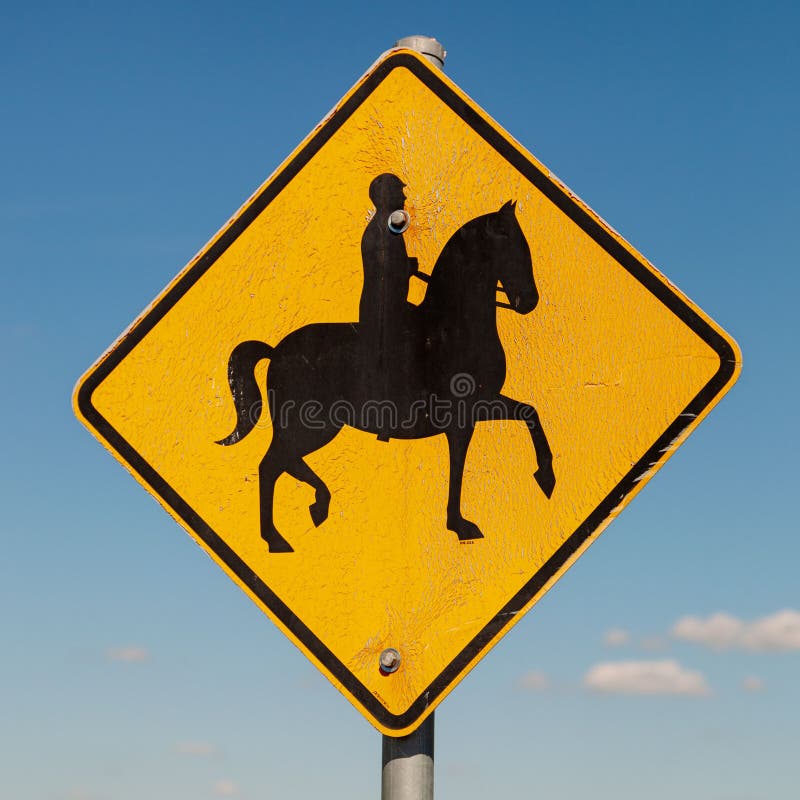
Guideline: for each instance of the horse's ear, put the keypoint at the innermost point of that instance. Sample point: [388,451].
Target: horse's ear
[509,207]
[500,223]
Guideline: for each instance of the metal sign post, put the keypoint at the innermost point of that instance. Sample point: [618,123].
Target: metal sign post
[407,763]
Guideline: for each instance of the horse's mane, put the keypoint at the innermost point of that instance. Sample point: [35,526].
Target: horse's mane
[465,250]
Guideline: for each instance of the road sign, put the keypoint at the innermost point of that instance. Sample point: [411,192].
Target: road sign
[404,388]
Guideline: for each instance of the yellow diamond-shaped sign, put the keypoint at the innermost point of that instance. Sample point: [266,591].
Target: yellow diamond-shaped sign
[404,388]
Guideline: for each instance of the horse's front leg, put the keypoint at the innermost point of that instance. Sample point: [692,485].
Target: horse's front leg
[515,410]
[458,440]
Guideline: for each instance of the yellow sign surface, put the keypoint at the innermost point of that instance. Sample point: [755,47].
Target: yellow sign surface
[404,388]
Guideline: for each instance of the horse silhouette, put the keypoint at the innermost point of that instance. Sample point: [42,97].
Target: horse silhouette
[441,372]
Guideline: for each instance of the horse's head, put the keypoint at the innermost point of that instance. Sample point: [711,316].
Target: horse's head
[512,257]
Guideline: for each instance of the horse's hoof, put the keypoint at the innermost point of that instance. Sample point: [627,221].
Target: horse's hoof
[276,543]
[465,530]
[319,512]
[546,480]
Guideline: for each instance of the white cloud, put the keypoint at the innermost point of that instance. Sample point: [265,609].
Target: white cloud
[645,677]
[753,684]
[719,631]
[226,788]
[533,681]
[779,631]
[130,654]
[616,637]
[195,748]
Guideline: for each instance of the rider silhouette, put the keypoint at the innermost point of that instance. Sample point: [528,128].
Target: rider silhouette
[383,310]
[387,267]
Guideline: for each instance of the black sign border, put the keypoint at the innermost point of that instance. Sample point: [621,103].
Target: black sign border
[560,198]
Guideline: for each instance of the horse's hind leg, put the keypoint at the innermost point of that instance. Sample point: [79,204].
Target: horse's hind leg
[298,468]
[289,445]
[272,466]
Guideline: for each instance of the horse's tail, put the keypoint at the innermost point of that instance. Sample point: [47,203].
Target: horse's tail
[244,388]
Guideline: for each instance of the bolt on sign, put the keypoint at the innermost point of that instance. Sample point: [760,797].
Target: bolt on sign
[404,388]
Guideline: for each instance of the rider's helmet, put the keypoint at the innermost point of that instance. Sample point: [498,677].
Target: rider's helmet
[387,191]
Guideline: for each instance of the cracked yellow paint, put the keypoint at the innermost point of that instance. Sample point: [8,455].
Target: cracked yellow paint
[607,364]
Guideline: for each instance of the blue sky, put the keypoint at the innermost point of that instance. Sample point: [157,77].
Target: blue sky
[132,667]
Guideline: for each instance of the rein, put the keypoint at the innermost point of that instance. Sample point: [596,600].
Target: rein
[423,276]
